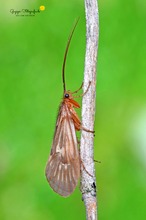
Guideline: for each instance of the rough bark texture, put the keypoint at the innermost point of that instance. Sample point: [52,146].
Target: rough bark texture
[88,179]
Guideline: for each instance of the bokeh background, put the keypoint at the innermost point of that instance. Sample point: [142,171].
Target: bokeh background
[31,56]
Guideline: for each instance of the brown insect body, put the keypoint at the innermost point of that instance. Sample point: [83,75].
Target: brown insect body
[63,168]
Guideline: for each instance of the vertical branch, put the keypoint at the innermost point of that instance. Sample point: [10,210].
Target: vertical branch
[88,179]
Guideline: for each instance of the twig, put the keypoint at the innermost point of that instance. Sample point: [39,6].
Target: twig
[88,182]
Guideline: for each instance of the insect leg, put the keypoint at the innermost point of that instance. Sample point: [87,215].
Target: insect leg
[85,168]
[97,161]
[79,127]
[78,89]
[87,130]
[84,92]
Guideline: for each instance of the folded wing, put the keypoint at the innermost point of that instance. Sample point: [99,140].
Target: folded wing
[63,167]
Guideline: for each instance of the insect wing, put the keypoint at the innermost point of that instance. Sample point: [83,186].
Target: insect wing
[63,167]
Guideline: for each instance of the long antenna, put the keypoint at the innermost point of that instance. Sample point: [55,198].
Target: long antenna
[65,55]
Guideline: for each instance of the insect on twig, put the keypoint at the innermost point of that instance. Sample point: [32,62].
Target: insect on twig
[63,166]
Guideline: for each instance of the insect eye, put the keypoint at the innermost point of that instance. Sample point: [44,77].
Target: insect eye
[66,95]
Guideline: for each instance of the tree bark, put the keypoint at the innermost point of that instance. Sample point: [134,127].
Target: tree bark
[88,179]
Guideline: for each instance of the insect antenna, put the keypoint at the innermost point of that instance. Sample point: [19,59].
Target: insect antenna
[65,54]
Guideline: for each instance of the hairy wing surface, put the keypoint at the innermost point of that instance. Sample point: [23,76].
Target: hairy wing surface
[63,167]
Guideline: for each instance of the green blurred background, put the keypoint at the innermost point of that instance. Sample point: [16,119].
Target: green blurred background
[31,56]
